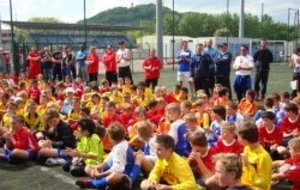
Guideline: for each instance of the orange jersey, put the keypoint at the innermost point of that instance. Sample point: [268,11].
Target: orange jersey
[221,102]
[247,108]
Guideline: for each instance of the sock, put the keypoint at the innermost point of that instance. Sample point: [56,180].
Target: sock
[99,183]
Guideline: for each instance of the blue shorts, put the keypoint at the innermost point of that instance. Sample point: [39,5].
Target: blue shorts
[32,156]
[60,155]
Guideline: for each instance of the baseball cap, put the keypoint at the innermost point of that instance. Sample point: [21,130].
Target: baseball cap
[223,44]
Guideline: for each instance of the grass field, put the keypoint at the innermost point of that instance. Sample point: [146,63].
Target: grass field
[34,177]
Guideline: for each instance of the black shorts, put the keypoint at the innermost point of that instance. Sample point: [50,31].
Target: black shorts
[112,77]
[125,72]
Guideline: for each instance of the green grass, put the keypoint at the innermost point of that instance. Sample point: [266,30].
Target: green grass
[31,177]
[279,78]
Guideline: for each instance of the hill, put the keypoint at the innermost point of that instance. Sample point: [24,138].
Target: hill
[133,16]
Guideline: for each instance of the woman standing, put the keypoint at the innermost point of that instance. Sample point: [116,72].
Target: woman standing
[92,63]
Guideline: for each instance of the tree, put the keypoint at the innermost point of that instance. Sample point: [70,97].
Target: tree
[20,36]
[44,19]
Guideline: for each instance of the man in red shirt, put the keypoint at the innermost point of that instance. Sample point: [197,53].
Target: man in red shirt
[34,92]
[152,67]
[34,58]
[20,144]
[92,63]
[109,60]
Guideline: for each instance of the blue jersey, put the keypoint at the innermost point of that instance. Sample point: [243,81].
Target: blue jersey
[216,127]
[178,132]
[80,57]
[184,66]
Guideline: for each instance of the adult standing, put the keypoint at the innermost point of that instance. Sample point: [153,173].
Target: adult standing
[68,64]
[295,65]
[152,67]
[200,69]
[210,50]
[47,64]
[123,57]
[92,63]
[262,58]
[57,57]
[184,58]
[109,60]
[223,67]
[213,54]
[243,65]
[81,67]
[2,61]
[34,58]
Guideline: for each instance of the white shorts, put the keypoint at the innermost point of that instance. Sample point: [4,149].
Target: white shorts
[184,76]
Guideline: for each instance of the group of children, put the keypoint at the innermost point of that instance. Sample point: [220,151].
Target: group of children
[113,134]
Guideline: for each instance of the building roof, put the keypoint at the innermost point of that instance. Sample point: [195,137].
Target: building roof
[71,27]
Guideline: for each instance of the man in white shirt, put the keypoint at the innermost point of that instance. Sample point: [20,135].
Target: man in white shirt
[123,57]
[243,65]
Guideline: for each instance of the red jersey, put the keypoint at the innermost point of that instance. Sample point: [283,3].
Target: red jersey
[126,119]
[154,71]
[169,98]
[293,174]
[207,160]
[94,66]
[109,60]
[269,138]
[234,147]
[154,116]
[25,140]
[107,120]
[287,126]
[34,94]
[34,66]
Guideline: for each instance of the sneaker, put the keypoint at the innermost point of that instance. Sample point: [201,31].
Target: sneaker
[55,161]
[84,183]
[127,183]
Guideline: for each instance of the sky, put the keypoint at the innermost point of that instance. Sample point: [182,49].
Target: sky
[71,11]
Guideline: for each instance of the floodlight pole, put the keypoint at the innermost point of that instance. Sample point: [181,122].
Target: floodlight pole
[227,20]
[84,22]
[173,34]
[12,39]
[159,32]
[242,17]
[262,19]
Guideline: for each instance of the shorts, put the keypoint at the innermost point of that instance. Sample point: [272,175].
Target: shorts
[32,156]
[60,155]
[184,76]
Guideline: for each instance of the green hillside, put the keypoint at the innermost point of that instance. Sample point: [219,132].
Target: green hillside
[192,24]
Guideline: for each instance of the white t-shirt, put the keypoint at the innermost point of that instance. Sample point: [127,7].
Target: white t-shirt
[243,61]
[296,63]
[124,53]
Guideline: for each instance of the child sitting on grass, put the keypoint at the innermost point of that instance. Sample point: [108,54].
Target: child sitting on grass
[289,169]
[89,150]
[20,143]
[170,168]
[119,160]
[228,142]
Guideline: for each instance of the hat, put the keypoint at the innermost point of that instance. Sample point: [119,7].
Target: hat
[121,42]
[69,89]
[223,44]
